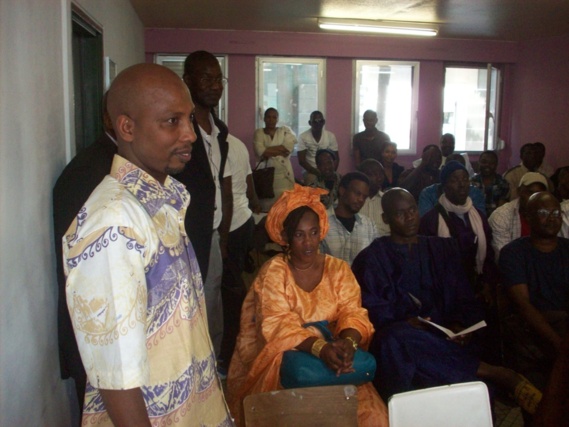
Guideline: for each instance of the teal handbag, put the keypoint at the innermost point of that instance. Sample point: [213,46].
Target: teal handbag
[301,369]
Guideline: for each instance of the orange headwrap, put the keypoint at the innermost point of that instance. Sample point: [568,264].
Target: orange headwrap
[289,201]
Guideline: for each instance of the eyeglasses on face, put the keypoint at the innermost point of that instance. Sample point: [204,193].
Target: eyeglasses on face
[544,213]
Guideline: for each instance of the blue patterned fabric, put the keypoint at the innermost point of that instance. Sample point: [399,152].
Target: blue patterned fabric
[136,299]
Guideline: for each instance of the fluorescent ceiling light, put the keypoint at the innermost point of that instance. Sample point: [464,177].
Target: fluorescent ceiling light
[379,27]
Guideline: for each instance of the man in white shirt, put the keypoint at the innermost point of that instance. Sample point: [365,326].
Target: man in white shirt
[207,177]
[314,139]
[508,222]
[372,207]
[349,231]
[240,242]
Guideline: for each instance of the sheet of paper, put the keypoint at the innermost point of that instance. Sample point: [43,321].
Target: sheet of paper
[450,333]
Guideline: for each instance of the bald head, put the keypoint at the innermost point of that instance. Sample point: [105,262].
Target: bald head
[395,194]
[151,111]
[539,200]
[401,214]
[544,215]
[137,86]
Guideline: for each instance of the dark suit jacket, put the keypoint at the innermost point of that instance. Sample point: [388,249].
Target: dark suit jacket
[198,179]
[71,191]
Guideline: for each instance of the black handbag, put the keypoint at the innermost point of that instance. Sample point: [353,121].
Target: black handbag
[263,180]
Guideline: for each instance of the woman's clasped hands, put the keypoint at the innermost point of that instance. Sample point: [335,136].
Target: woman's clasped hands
[339,356]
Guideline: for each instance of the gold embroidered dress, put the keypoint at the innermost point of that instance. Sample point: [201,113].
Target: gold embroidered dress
[271,322]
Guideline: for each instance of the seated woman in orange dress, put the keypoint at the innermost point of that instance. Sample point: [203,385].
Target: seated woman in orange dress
[298,287]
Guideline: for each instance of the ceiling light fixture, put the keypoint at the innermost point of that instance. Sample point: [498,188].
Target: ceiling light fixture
[379,27]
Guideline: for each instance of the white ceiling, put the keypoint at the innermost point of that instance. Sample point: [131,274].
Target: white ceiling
[511,20]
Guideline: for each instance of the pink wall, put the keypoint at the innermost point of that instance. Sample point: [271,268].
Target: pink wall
[338,103]
[243,46]
[541,99]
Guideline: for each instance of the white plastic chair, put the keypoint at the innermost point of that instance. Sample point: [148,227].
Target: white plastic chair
[456,405]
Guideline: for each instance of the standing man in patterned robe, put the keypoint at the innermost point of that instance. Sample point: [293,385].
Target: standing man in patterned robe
[134,289]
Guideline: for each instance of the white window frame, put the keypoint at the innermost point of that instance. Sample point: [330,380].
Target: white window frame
[263,61]
[492,109]
[358,115]
[164,59]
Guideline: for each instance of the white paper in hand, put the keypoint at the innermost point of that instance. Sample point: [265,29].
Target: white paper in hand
[452,334]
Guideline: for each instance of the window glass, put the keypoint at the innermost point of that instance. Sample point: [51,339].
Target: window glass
[176,64]
[294,86]
[470,107]
[390,89]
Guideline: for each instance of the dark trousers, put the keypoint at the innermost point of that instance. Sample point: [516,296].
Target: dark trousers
[232,286]
[527,352]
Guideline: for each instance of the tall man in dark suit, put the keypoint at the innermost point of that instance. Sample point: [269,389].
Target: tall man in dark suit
[207,176]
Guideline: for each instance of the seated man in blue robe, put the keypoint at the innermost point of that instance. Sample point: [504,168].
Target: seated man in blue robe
[404,276]
[429,196]
[456,216]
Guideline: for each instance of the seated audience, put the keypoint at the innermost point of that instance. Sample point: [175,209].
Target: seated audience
[560,181]
[542,166]
[311,141]
[391,169]
[447,149]
[430,195]
[530,157]
[274,144]
[328,179]
[369,143]
[455,216]
[350,231]
[372,206]
[562,194]
[298,287]
[495,188]
[535,273]
[565,227]
[508,222]
[447,144]
[425,174]
[404,276]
